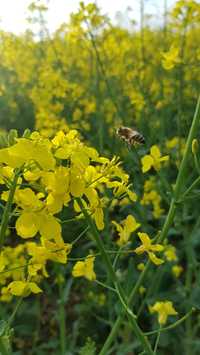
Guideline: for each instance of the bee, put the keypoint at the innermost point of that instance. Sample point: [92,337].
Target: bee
[130,136]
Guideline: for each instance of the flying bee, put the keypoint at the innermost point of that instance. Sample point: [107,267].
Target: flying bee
[130,136]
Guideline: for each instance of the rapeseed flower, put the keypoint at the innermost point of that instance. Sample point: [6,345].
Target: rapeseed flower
[154,159]
[177,270]
[23,288]
[164,310]
[170,253]
[85,268]
[149,248]
[171,58]
[125,229]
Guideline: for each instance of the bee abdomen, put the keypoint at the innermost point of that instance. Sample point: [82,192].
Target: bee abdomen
[137,138]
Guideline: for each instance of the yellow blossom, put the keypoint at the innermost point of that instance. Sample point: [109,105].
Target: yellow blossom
[172,143]
[85,268]
[26,151]
[6,174]
[29,223]
[177,270]
[57,250]
[5,295]
[3,262]
[127,227]
[164,309]
[170,253]
[149,248]
[153,159]
[23,288]
[171,58]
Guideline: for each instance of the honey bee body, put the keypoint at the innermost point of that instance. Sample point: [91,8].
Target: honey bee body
[130,136]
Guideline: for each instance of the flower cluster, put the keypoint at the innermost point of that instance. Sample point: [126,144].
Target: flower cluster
[50,175]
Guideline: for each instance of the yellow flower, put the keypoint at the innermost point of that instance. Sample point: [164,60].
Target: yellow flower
[96,207]
[177,270]
[26,151]
[149,248]
[153,159]
[28,200]
[172,143]
[23,288]
[129,225]
[3,262]
[77,185]
[6,174]
[141,266]
[85,268]
[170,253]
[26,225]
[5,295]
[58,250]
[171,58]
[29,223]
[164,309]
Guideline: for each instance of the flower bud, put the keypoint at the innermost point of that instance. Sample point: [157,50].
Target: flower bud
[195,146]
[12,135]
[27,133]
[3,140]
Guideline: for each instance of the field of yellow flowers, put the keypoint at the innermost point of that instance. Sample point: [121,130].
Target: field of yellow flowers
[100,225]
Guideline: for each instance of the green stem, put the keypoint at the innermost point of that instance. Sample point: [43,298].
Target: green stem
[157,342]
[105,286]
[188,287]
[180,178]
[62,321]
[196,162]
[119,320]
[138,332]
[3,348]
[7,210]
[166,226]
[18,304]
[192,186]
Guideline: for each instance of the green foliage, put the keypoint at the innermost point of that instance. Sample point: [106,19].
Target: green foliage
[89,348]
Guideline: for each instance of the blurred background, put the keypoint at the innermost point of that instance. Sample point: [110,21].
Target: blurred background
[97,65]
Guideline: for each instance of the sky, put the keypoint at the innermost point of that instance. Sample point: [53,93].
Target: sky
[13,13]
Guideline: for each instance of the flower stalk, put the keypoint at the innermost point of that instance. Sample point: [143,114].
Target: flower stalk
[166,226]
[7,209]
[122,297]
